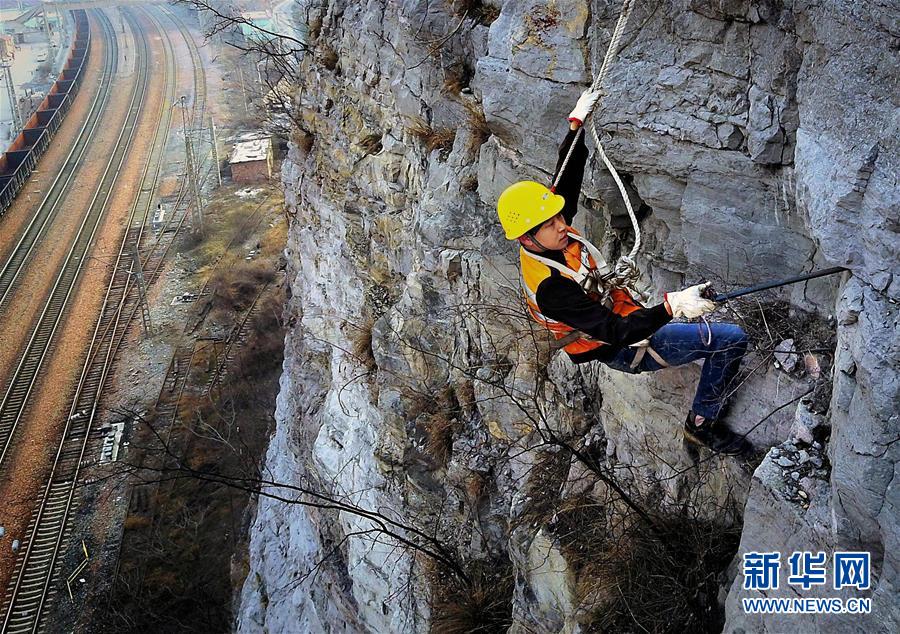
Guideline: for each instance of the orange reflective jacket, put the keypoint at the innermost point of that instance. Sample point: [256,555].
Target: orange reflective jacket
[579,262]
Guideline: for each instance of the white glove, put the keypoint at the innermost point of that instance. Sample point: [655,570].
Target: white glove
[688,303]
[584,105]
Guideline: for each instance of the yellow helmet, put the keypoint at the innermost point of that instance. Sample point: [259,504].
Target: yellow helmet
[524,205]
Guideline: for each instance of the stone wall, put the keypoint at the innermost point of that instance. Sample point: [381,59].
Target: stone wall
[759,140]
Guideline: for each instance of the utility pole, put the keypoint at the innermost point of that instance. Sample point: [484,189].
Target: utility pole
[46,23]
[138,272]
[215,149]
[243,90]
[197,215]
[11,95]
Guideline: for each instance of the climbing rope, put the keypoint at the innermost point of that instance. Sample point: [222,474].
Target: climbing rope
[626,273]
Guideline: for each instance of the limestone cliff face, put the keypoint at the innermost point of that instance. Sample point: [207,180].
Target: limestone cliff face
[759,139]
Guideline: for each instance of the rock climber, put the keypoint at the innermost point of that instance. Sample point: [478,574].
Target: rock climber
[553,257]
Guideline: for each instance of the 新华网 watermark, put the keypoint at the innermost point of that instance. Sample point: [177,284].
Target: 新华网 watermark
[808,570]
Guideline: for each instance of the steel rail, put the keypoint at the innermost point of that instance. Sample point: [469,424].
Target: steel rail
[30,586]
[50,204]
[117,316]
[51,517]
[32,358]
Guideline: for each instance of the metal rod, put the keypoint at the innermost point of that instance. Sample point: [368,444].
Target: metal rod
[747,290]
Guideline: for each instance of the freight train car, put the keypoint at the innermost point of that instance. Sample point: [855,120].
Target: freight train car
[22,155]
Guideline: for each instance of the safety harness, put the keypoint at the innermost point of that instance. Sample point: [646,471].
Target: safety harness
[592,275]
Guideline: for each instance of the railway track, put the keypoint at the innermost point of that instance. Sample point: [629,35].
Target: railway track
[50,530]
[30,586]
[234,343]
[13,404]
[198,107]
[166,407]
[55,197]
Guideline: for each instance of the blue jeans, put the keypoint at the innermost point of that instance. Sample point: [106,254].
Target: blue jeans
[682,343]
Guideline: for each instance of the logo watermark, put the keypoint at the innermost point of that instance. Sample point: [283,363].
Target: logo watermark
[808,570]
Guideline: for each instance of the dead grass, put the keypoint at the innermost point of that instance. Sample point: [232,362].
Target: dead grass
[634,577]
[484,607]
[302,139]
[361,343]
[177,570]
[136,522]
[456,77]
[436,418]
[225,216]
[477,10]
[432,139]
[546,478]
[328,57]
[315,28]
[439,429]
[481,131]
[475,485]
[234,287]
[371,144]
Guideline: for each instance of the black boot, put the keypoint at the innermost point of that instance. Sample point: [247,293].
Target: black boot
[715,435]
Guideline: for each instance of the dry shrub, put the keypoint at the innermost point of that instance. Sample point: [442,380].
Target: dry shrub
[315,28]
[436,417]
[768,322]
[303,139]
[453,84]
[484,606]
[235,287]
[636,576]
[431,138]
[477,10]
[328,57]
[439,429]
[481,131]
[205,455]
[371,144]
[456,77]
[545,479]
[475,485]
[464,392]
[360,340]
[195,407]
[189,240]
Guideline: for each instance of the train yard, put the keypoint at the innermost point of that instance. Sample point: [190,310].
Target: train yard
[77,263]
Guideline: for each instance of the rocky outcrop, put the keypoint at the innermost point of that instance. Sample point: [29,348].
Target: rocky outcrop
[758,139]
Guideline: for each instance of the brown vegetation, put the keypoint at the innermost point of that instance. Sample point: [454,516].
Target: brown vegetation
[481,131]
[371,143]
[328,57]
[477,10]
[634,576]
[176,560]
[432,139]
[483,606]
